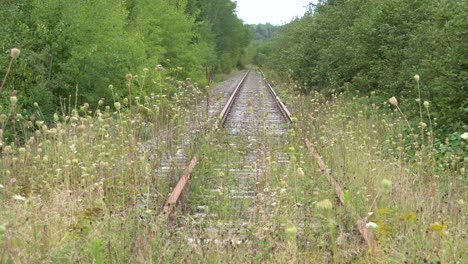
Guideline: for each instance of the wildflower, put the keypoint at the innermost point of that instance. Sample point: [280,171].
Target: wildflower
[22,151]
[111,87]
[325,204]
[416,77]
[371,225]
[300,172]
[13,100]
[145,70]
[426,104]
[82,128]
[464,136]
[386,184]
[117,106]
[14,53]
[52,131]
[291,231]
[438,227]
[423,125]
[36,104]
[418,100]
[393,101]
[159,68]
[101,102]
[128,77]
[18,197]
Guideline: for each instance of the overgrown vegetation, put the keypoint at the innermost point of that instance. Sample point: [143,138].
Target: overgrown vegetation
[88,186]
[84,182]
[78,48]
[369,47]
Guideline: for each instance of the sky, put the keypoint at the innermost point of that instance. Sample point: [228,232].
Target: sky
[276,12]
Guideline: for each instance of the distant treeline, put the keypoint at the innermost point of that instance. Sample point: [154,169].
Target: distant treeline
[376,47]
[87,45]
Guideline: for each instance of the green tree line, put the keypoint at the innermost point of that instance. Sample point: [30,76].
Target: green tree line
[376,47]
[85,46]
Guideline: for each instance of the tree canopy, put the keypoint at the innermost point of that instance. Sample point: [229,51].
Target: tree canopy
[376,47]
[87,45]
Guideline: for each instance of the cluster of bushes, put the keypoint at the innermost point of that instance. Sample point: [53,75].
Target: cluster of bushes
[376,47]
[79,48]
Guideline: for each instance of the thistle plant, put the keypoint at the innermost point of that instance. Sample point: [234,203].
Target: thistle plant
[14,54]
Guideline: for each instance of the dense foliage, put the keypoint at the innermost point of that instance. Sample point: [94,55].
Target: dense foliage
[375,47]
[81,47]
[261,48]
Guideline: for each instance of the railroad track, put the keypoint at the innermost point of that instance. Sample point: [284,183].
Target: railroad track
[252,115]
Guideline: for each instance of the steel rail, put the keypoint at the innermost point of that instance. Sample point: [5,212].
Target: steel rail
[365,232]
[186,175]
[225,112]
[282,107]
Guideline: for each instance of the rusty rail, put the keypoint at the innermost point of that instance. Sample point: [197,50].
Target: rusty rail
[365,232]
[176,193]
[284,111]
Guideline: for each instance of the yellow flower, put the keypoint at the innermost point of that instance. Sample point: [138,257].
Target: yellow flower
[437,227]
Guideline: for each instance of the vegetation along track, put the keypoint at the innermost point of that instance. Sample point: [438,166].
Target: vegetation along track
[230,191]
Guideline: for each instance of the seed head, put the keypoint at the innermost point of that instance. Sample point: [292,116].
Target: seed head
[386,184]
[82,128]
[14,53]
[426,104]
[13,100]
[159,68]
[464,136]
[52,131]
[416,77]
[18,197]
[325,204]
[117,106]
[393,101]
[128,77]
[291,231]
[300,172]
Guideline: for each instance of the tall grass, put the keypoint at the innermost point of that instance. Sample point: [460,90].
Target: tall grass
[88,187]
